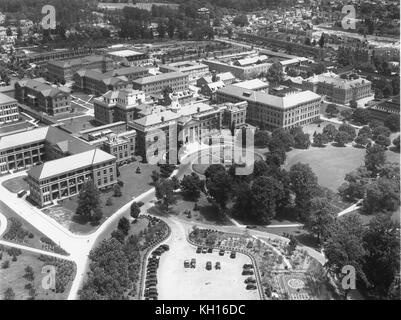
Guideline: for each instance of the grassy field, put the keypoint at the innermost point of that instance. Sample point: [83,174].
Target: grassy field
[13,277]
[331,164]
[16,184]
[134,185]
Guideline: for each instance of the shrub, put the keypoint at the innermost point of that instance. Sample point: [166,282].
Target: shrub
[30,236]
[5,264]
[117,190]
[120,183]
[14,258]
[109,202]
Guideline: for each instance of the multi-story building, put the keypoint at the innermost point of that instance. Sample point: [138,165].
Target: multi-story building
[121,105]
[194,70]
[382,110]
[98,83]
[337,89]
[243,70]
[38,94]
[177,81]
[275,111]
[23,56]
[161,131]
[64,70]
[117,138]
[131,73]
[8,109]
[63,178]
[25,149]
[235,114]
[254,84]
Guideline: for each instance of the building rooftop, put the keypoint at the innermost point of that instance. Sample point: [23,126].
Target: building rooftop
[253,84]
[76,62]
[39,85]
[125,53]
[335,80]
[6,99]
[160,77]
[67,164]
[285,102]
[156,118]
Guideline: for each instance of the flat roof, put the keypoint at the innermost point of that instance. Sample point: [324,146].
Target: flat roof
[252,84]
[285,102]
[6,99]
[125,53]
[160,77]
[67,164]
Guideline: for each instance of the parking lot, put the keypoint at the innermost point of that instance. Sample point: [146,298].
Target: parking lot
[178,283]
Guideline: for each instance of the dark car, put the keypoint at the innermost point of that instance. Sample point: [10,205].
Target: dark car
[217,266]
[165,247]
[247,272]
[233,255]
[193,263]
[198,250]
[250,280]
[221,252]
[250,286]
[210,250]
[247,266]
[204,250]
[251,227]
[209,265]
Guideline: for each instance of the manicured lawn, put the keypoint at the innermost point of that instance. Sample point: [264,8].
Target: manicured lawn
[16,184]
[13,277]
[331,164]
[33,236]
[134,185]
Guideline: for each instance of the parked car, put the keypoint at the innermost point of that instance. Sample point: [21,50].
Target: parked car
[247,272]
[248,266]
[217,266]
[250,286]
[250,280]
[21,193]
[198,250]
[186,264]
[233,255]
[165,247]
[221,252]
[210,250]
[204,250]
[209,265]
[193,263]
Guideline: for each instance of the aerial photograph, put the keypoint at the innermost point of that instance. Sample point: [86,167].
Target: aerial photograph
[200,150]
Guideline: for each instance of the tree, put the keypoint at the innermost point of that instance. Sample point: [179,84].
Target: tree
[382,245]
[320,139]
[375,157]
[392,122]
[353,104]
[219,187]
[383,195]
[396,143]
[380,131]
[135,210]
[191,186]
[373,124]
[361,116]
[89,202]
[276,157]
[302,141]
[331,109]
[118,235]
[262,138]
[266,192]
[303,183]
[344,246]
[241,20]
[165,193]
[286,138]
[275,74]
[161,30]
[341,138]
[117,190]
[383,141]
[307,41]
[171,26]
[9,32]
[9,294]
[330,131]
[124,225]
[321,41]
[362,140]
[29,274]
[166,170]
[365,130]
[350,130]
[354,187]
[378,94]
[213,169]
[155,176]
[320,217]
[346,114]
